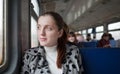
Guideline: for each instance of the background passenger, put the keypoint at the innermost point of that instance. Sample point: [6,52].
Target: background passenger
[80,40]
[72,38]
[110,37]
[104,42]
[53,56]
[112,41]
[94,39]
[88,38]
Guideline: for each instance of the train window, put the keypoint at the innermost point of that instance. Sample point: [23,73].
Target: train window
[115,34]
[1,31]
[79,32]
[99,29]
[99,32]
[98,36]
[114,26]
[36,6]
[34,40]
[114,29]
[84,32]
[90,30]
[84,35]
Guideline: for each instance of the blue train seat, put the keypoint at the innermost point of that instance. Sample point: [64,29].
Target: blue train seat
[101,60]
[90,44]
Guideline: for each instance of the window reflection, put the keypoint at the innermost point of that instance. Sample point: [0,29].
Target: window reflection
[1,31]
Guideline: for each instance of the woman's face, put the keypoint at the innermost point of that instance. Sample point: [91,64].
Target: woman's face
[48,32]
[71,38]
[80,38]
[106,37]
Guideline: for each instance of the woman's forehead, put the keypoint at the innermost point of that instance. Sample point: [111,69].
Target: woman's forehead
[47,17]
[46,20]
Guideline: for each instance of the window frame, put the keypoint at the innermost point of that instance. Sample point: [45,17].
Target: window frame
[4,58]
[13,53]
[2,34]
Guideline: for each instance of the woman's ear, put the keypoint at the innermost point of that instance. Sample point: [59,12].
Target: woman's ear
[60,33]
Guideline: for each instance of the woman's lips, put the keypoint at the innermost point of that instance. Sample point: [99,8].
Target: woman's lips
[43,39]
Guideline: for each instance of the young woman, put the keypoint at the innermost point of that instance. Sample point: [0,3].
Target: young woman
[72,38]
[104,41]
[53,56]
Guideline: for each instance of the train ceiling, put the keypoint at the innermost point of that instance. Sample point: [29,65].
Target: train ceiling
[100,13]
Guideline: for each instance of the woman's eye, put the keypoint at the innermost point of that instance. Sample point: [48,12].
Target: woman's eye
[49,28]
[38,27]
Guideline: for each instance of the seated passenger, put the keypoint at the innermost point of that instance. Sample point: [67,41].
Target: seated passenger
[104,42]
[110,37]
[88,38]
[80,40]
[94,39]
[112,41]
[72,38]
[53,56]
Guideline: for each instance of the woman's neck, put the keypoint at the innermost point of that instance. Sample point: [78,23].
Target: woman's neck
[50,49]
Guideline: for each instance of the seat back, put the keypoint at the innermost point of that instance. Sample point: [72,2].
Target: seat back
[101,60]
[89,44]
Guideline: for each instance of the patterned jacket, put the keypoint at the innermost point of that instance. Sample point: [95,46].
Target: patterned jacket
[34,61]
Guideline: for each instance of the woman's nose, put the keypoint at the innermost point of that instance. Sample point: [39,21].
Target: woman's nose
[42,32]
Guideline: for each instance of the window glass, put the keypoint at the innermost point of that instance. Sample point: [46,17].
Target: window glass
[90,30]
[98,36]
[84,32]
[36,6]
[115,34]
[79,32]
[99,29]
[34,40]
[1,31]
[84,36]
[114,26]
[91,36]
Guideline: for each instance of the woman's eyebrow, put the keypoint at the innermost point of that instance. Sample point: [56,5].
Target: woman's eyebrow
[38,24]
[49,25]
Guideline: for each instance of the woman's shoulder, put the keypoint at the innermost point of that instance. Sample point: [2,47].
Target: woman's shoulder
[72,49]
[72,46]
[32,51]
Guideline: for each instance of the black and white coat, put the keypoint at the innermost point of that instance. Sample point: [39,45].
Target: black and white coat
[34,61]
